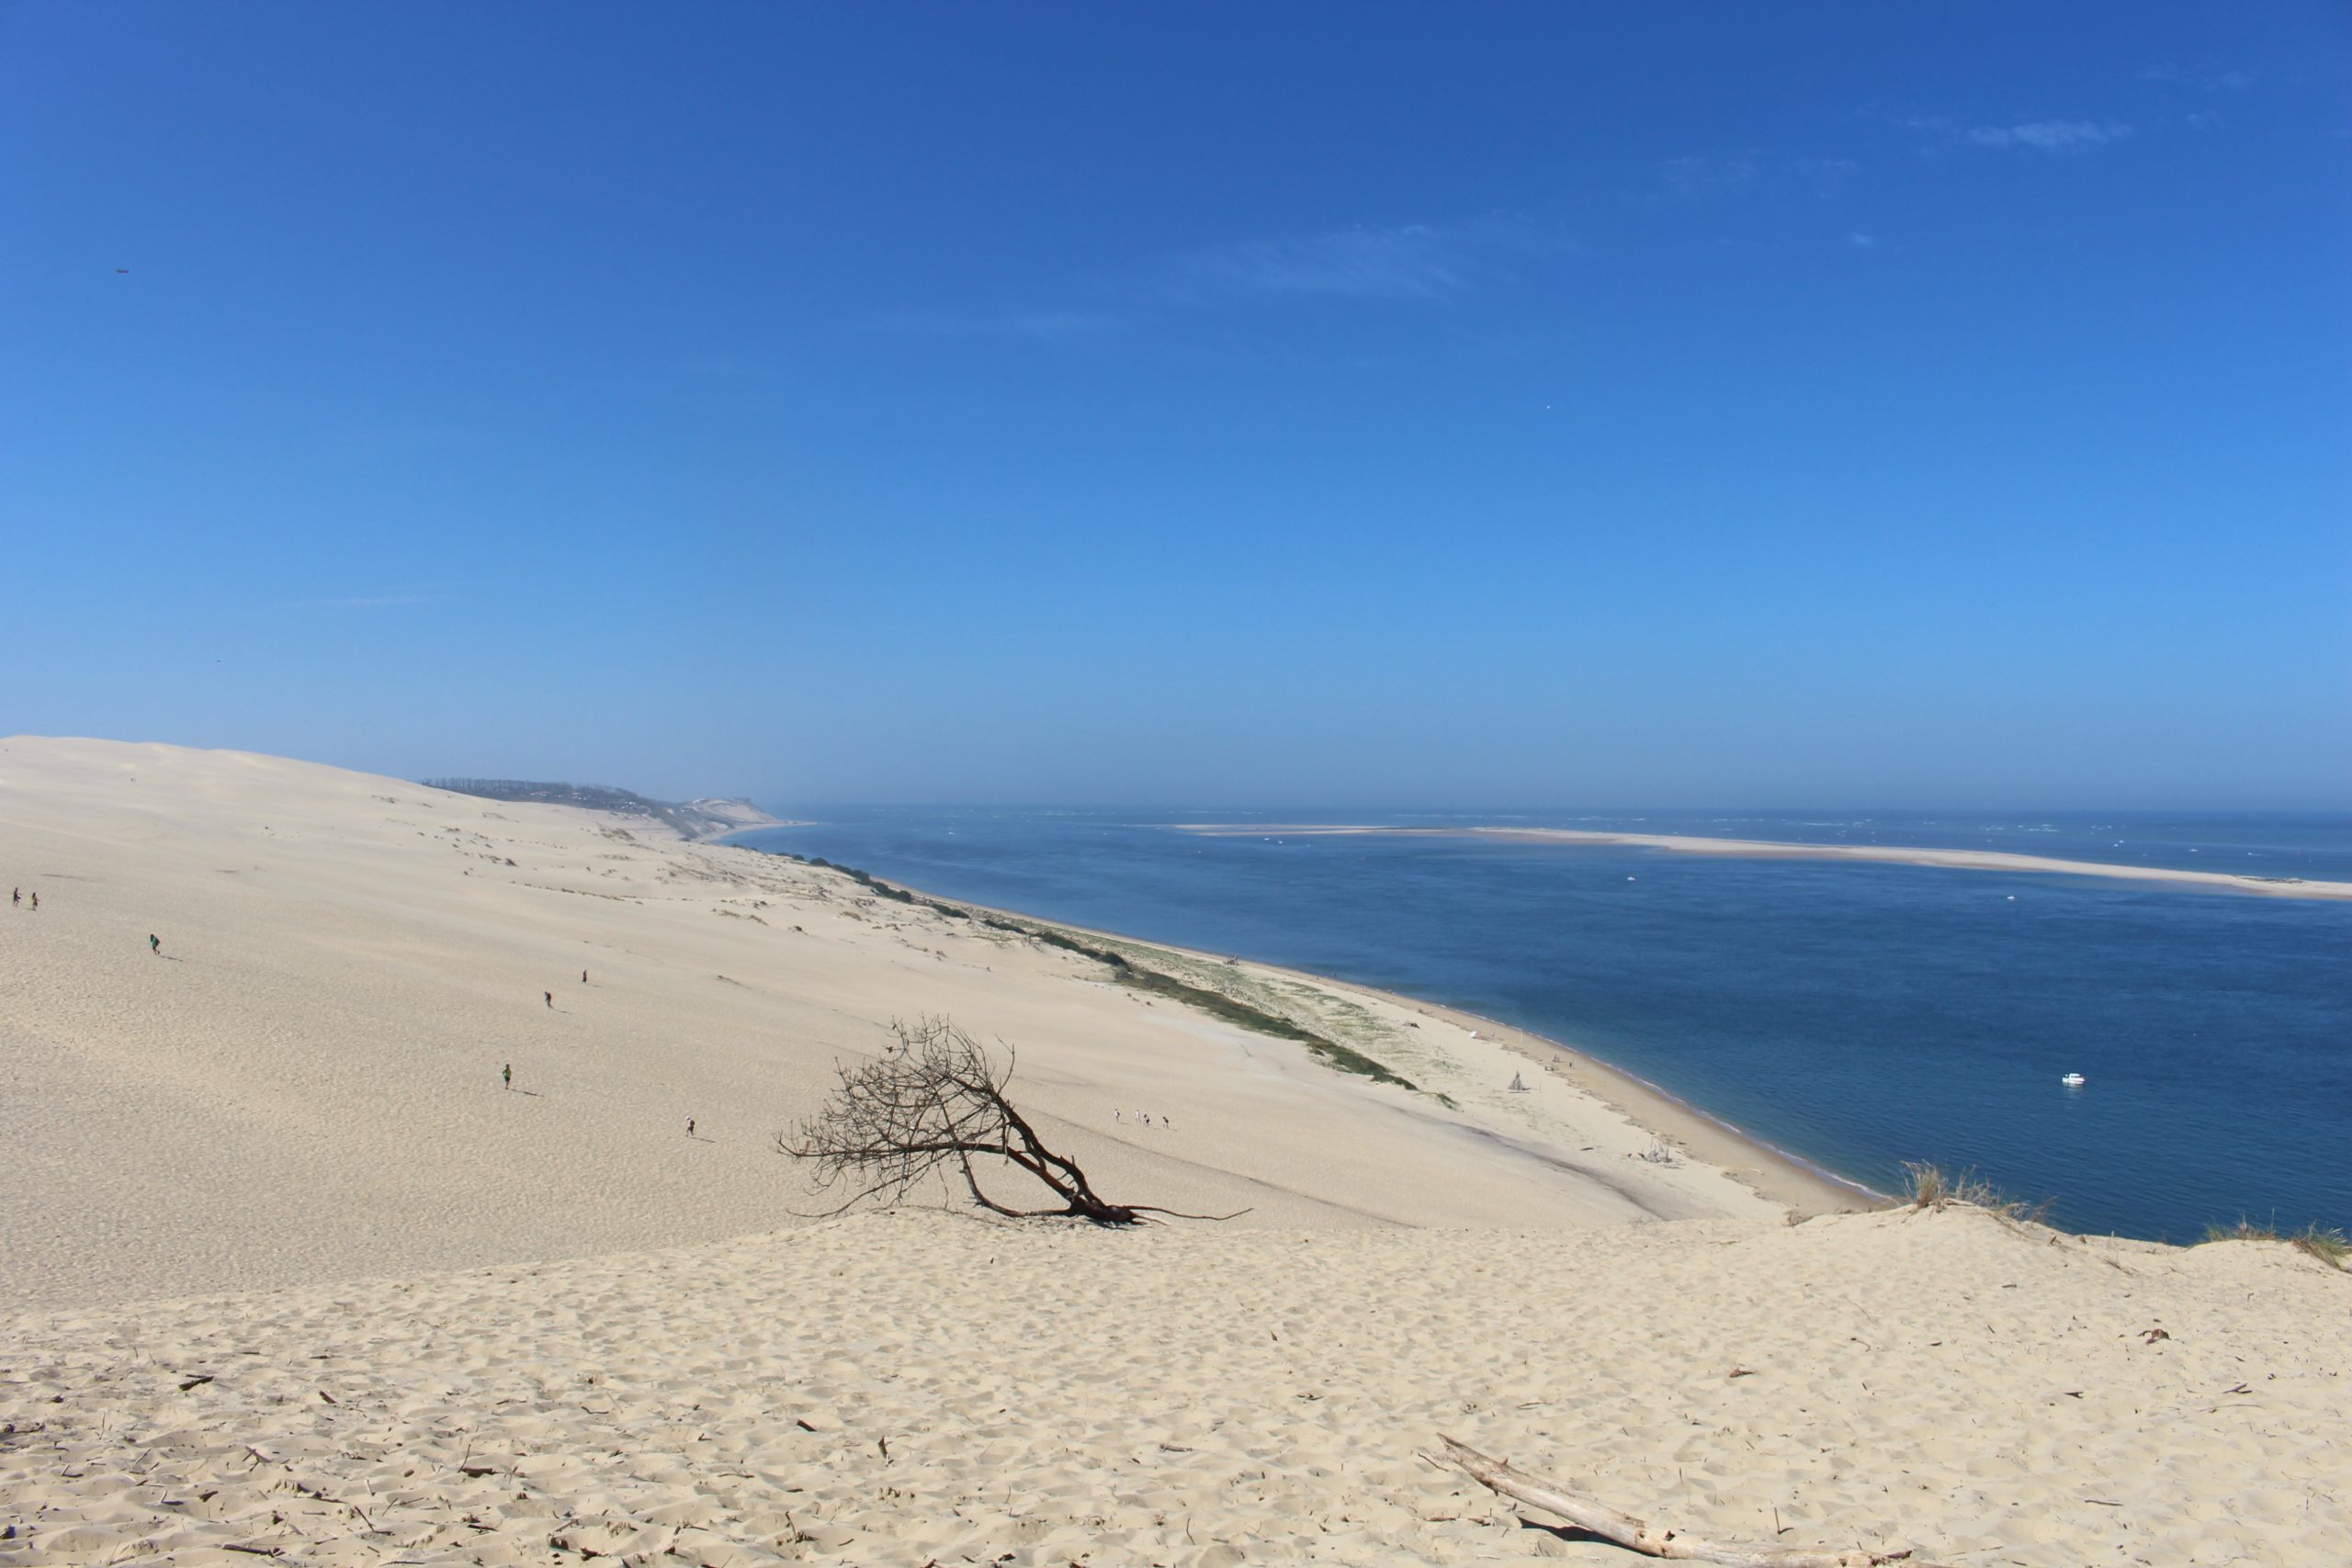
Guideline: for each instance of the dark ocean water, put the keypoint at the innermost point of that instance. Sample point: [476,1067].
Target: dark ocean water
[1856,1015]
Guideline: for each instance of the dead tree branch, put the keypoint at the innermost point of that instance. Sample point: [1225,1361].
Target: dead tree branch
[1640,1535]
[937,1102]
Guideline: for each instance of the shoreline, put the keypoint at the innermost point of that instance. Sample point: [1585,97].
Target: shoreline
[1776,849]
[1776,1174]
[1694,1127]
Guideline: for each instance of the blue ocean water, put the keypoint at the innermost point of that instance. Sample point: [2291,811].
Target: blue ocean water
[1856,1015]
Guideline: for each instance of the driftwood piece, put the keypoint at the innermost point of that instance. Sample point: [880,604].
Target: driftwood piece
[1640,1535]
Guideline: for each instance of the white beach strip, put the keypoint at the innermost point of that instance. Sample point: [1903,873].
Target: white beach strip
[1770,849]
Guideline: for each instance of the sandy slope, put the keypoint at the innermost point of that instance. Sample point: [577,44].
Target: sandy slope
[306,1082]
[265,1276]
[916,1387]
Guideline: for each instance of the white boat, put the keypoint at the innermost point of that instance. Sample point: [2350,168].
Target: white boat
[2073,1080]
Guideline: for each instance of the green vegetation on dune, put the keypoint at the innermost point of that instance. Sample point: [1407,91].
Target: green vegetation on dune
[1220,1005]
[691,819]
[1927,1186]
[1216,1001]
[876,886]
[2331,1247]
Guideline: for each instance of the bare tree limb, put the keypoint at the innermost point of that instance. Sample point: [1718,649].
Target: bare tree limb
[1640,1535]
[933,1102]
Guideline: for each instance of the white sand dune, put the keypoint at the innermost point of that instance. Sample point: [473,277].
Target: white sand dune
[305,1082]
[914,1388]
[284,1268]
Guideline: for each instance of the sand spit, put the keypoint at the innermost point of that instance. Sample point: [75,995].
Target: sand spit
[304,1083]
[1767,848]
[919,1387]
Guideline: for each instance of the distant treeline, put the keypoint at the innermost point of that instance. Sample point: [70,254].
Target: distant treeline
[690,820]
[597,798]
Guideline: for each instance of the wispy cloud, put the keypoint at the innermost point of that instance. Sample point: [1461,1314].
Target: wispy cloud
[2050,135]
[2034,135]
[1040,326]
[397,436]
[1826,175]
[2208,81]
[1402,265]
[1702,177]
[1405,262]
[372,602]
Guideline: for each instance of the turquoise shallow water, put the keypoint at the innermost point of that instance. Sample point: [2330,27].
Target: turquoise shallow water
[1856,1015]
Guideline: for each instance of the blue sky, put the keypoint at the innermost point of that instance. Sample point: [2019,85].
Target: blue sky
[1304,404]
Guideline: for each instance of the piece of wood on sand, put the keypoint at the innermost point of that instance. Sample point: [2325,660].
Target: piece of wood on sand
[1640,1535]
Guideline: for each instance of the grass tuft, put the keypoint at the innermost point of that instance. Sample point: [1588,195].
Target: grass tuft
[1927,1186]
[2331,1247]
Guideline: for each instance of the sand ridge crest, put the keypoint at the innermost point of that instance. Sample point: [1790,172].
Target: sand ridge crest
[907,1385]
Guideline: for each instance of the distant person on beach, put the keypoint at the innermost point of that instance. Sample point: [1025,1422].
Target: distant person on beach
[36,900]
[583,976]
[16,895]
[155,943]
[550,996]
[690,1126]
[509,1075]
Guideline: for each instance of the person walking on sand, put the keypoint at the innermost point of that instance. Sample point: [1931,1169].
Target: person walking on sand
[509,1075]
[583,976]
[690,1126]
[154,944]
[36,901]
[16,895]
[550,996]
